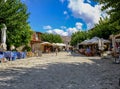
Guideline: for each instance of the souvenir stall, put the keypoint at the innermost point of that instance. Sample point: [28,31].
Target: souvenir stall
[46,47]
[116,47]
[95,44]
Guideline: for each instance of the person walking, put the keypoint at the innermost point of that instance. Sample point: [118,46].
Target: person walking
[56,51]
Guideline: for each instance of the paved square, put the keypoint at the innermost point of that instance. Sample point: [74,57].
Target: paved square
[64,71]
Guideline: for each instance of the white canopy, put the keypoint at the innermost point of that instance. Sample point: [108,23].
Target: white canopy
[60,44]
[46,43]
[85,42]
[94,40]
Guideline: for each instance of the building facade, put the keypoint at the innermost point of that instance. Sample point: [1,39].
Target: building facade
[35,41]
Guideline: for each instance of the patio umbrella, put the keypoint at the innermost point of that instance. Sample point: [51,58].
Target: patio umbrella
[60,44]
[85,42]
[46,43]
[94,40]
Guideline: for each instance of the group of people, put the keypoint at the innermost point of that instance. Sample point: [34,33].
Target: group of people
[89,51]
[48,50]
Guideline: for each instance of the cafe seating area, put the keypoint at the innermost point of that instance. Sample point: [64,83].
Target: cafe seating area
[12,55]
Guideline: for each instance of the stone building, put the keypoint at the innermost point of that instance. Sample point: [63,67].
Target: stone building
[35,41]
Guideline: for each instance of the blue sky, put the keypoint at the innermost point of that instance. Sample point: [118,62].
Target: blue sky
[62,17]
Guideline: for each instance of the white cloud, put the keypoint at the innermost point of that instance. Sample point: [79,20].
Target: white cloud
[79,25]
[49,31]
[64,31]
[58,31]
[88,1]
[63,27]
[62,1]
[71,30]
[48,27]
[65,34]
[61,32]
[65,12]
[85,11]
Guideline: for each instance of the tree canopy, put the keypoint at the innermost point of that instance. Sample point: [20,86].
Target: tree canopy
[106,26]
[14,14]
[52,38]
[112,7]
[78,37]
[103,29]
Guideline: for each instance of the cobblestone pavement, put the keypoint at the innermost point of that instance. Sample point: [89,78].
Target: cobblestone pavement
[64,71]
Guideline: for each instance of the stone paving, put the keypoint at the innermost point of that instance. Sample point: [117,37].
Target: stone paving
[64,71]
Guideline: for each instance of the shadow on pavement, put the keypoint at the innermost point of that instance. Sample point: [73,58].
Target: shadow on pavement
[100,74]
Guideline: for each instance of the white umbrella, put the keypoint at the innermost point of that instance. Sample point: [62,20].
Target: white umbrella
[91,41]
[85,42]
[94,40]
[106,41]
[46,43]
[53,44]
[60,44]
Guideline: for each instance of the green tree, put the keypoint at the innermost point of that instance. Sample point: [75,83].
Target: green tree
[106,26]
[19,38]
[52,38]
[78,37]
[112,7]
[14,14]
[103,29]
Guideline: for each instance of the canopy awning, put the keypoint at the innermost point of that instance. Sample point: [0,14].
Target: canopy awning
[60,44]
[46,43]
[94,40]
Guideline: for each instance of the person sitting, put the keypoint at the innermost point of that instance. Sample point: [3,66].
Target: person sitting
[88,52]
[56,51]
[93,52]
